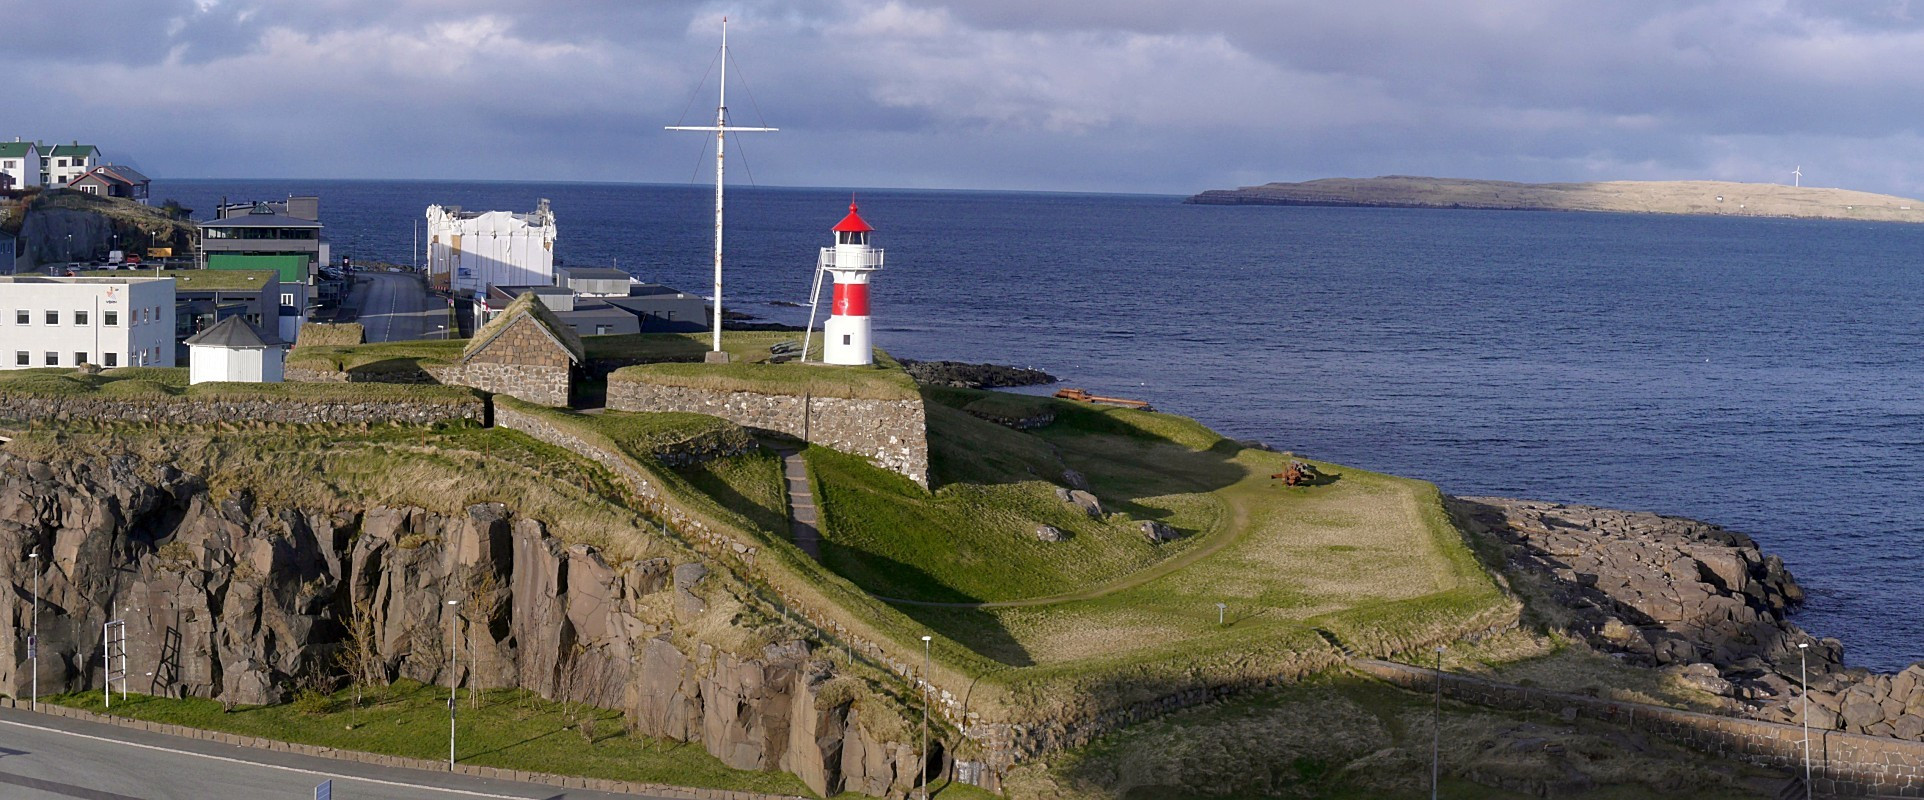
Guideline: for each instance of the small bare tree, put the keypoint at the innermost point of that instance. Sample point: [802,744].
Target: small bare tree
[360,652]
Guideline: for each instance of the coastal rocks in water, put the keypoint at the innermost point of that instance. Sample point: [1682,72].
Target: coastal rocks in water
[1662,590]
[1156,532]
[1050,533]
[974,376]
[1700,602]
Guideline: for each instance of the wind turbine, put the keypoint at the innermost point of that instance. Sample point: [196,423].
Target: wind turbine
[721,129]
[1797,176]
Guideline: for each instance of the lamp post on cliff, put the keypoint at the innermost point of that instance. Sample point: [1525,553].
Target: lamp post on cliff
[1436,729]
[452,675]
[33,631]
[923,778]
[1803,681]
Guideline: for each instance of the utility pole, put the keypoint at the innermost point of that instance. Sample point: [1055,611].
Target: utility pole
[1803,681]
[1436,729]
[452,667]
[33,635]
[923,778]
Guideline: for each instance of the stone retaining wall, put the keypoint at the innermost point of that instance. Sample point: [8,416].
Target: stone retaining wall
[1842,764]
[892,433]
[275,409]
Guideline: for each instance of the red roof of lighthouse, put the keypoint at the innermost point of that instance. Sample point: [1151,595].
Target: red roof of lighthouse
[853,222]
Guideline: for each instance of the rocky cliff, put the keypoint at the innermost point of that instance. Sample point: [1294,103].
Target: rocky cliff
[1694,599]
[228,599]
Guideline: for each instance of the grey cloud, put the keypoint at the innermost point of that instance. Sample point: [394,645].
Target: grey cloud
[1128,95]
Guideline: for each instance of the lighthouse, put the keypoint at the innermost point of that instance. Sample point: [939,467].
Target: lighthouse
[845,337]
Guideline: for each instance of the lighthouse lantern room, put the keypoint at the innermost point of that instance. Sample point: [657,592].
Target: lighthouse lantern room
[845,337]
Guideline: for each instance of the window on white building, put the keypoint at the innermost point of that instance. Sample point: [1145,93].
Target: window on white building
[22,317]
[112,359]
[79,317]
[111,318]
[79,358]
[53,359]
[53,318]
[22,359]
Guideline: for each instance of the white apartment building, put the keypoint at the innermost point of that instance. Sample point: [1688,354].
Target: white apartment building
[21,161]
[66,322]
[476,250]
[61,164]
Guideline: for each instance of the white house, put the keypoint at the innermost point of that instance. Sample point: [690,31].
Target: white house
[233,351]
[66,322]
[476,250]
[21,161]
[61,164]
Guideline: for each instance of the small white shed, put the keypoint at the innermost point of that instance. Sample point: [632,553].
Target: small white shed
[232,350]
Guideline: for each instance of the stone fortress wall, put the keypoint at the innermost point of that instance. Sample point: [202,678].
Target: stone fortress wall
[270,409]
[892,433]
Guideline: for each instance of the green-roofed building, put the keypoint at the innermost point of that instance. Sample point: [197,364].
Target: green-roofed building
[62,164]
[20,161]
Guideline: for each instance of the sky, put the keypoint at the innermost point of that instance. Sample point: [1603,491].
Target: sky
[1152,96]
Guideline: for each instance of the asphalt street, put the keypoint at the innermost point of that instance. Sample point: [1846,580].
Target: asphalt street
[53,758]
[394,307]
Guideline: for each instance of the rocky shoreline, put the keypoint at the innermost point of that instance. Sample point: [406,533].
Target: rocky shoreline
[974,376]
[1691,599]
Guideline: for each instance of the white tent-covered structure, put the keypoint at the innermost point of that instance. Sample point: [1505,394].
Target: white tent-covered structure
[233,351]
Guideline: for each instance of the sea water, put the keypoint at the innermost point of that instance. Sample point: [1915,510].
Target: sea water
[1762,374]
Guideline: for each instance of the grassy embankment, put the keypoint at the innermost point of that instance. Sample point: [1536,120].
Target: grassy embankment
[1348,738]
[408,356]
[1105,617]
[510,729]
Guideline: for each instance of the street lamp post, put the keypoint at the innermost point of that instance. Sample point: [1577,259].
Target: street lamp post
[33,633]
[451,680]
[923,778]
[1803,680]
[1436,729]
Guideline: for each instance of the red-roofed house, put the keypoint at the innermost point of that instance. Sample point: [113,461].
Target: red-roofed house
[112,180]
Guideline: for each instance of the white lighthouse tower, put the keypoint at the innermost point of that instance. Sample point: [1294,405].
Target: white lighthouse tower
[845,337]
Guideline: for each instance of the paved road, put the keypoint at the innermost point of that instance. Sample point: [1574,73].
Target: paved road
[52,758]
[394,307]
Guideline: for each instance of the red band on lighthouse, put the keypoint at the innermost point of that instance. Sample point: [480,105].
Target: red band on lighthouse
[851,300]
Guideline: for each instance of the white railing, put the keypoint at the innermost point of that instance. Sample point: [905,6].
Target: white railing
[873,260]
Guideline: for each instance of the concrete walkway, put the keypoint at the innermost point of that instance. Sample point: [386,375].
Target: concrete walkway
[802,516]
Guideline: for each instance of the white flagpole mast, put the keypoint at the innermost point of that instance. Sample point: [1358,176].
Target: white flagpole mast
[721,129]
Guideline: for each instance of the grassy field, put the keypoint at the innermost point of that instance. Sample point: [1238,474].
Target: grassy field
[743,347]
[1344,737]
[1368,557]
[510,729]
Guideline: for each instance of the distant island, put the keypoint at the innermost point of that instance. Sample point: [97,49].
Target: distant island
[1641,197]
